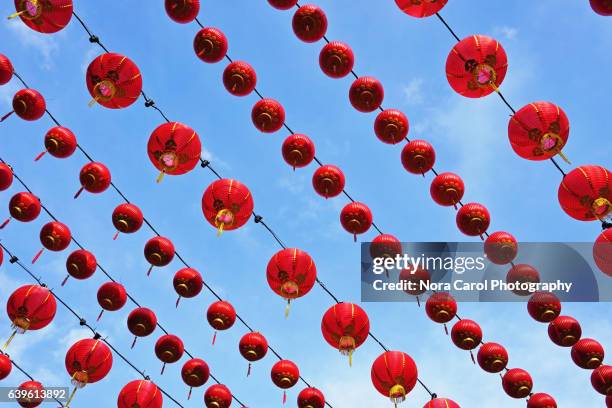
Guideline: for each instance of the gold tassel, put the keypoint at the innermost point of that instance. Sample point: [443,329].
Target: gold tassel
[220,229]
[71,397]
[287,308]
[92,102]
[9,340]
[12,16]
[565,159]
[350,355]
[161,176]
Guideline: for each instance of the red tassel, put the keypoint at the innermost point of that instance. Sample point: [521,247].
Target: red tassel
[38,254]
[214,338]
[284,397]
[162,370]
[100,315]
[418,301]
[65,280]
[6,116]
[134,342]
[445,329]
[116,235]
[189,395]
[177,301]
[37,158]
[249,370]
[5,222]
[472,355]
[149,271]
[78,193]
[354,237]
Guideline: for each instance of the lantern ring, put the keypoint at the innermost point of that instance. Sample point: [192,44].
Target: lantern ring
[251,353]
[123,224]
[568,340]
[54,144]
[208,45]
[397,393]
[21,324]
[49,240]
[593,363]
[214,404]
[264,117]
[80,379]
[468,342]
[219,321]
[169,160]
[285,381]
[107,302]
[346,344]
[237,81]
[601,207]
[484,75]
[105,90]
[17,210]
[31,9]
[24,105]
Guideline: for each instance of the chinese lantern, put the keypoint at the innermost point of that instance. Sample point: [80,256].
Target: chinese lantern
[385,246]
[336,59]
[356,218]
[94,177]
[141,322]
[187,283]
[282,4]
[588,354]
[195,373]
[227,204]
[586,193]
[298,150]
[522,274]
[345,326]
[517,383]
[539,131]
[441,403]
[44,16]
[441,307]
[285,374]
[113,81]
[311,398]
[564,331]
[418,157]
[415,280]
[87,361]
[5,366]
[366,94]
[391,126]
[182,11]
[28,104]
[54,236]
[268,115]
[253,347]
[447,189]
[218,396]
[60,142]
[81,264]
[420,9]
[467,335]
[602,7]
[328,181]
[221,315]
[127,218]
[6,69]
[541,400]
[394,375]
[501,247]
[140,393]
[30,307]
[544,307]
[602,251]
[309,23]
[473,219]
[33,391]
[601,379]
[609,401]
[476,66]
[174,148]
[239,78]
[291,273]
[6,176]
[210,45]
[169,349]
[24,207]
[158,251]
[492,357]
[111,296]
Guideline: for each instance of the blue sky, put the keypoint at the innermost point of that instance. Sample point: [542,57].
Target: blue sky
[555,53]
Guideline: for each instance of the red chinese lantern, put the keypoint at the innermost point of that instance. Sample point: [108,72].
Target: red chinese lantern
[169,349]
[33,391]
[6,176]
[187,283]
[345,326]
[113,81]
[311,398]
[441,403]
[141,322]
[174,148]
[356,218]
[54,236]
[466,334]
[539,131]
[298,150]
[586,193]
[415,280]
[140,393]
[421,8]
[441,307]
[328,181]
[391,126]
[602,251]
[609,401]
[285,374]
[541,400]
[182,11]
[336,59]
[239,78]
[218,396]
[195,373]
[476,66]
[158,251]
[517,383]
[30,307]
[473,219]
[94,177]
[601,379]
[24,207]
[6,69]
[6,366]
[522,274]
[447,189]
[81,264]
[385,246]
[394,374]
[418,157]
[283,4]
[564,331]
[268,115]
[366,94]
[291,274]
[127,218]
[544,307]
[501,247]
[309,23]
[602,7]
[46,16]
[60,142]
[210,45]
[227,204]
[111,296]
[87,361]
[588,354]
[28,104]
[253,347]
[492,357]
[221,315]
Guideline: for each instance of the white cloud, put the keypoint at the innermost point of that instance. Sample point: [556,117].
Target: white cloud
[413,92]
[46,45]
[508,33]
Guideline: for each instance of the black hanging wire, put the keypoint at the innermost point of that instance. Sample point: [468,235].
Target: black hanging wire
[24,372]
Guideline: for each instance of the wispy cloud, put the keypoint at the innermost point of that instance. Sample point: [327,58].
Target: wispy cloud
[509,33]
[413,92]
[46,45]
